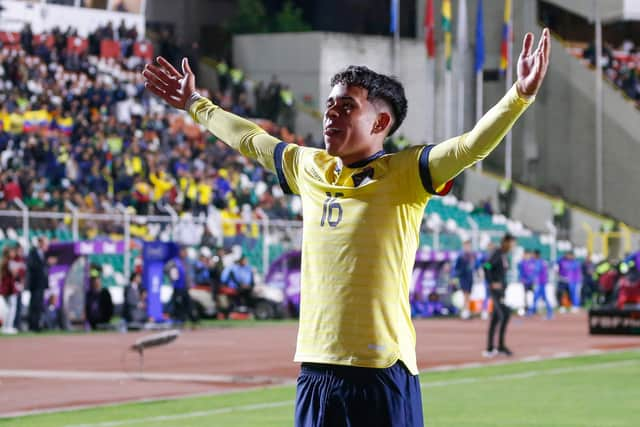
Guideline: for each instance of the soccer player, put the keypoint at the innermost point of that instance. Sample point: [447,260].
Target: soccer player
[362,213]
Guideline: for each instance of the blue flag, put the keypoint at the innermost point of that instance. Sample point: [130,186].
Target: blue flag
[393,25]
[479,62]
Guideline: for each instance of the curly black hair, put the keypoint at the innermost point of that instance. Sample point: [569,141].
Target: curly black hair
[379,86]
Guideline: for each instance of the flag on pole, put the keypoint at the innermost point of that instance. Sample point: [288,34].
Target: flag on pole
[506,36]
[479,58]
[446,28]
[393,27]
[429,29]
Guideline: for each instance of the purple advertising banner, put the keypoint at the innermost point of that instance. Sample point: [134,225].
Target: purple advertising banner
[57,274]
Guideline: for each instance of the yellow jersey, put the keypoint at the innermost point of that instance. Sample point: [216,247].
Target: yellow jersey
[360,236]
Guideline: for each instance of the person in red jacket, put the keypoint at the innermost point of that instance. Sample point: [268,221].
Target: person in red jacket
[8,290]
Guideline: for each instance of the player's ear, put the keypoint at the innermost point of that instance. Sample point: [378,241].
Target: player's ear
[382,123]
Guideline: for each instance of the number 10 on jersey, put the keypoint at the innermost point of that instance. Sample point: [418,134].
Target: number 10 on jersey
[331,210]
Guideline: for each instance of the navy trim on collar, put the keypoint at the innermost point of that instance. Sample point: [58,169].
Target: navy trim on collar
[365,162]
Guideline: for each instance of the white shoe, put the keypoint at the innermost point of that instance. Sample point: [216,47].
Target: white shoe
[489,353]
[465,314]
[484,315]
[562,309]
[9,331]
[575,309]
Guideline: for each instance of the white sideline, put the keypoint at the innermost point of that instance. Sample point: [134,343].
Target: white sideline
[144,376]
[424,385]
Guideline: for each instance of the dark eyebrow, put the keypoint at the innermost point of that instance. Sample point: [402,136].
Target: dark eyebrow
[343,98]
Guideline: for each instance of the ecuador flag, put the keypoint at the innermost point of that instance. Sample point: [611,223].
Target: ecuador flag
[446,28]
[506,34]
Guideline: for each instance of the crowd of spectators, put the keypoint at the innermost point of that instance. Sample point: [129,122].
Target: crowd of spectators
[81,128]
[621,66]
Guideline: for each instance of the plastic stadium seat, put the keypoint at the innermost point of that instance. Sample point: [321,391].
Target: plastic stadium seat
[11,234]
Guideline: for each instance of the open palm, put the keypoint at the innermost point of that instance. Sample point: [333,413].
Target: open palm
[532,66]
[167,83]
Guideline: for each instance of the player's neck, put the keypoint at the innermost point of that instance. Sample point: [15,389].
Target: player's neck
[361,159]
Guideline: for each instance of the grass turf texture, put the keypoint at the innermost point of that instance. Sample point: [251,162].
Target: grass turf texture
[593,391]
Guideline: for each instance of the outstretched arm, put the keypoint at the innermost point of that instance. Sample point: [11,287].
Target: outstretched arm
[451,157]
[178,90]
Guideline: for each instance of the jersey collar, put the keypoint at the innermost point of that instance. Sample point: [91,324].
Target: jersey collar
[364,162]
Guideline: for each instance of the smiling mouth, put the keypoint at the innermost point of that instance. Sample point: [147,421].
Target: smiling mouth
[332,131]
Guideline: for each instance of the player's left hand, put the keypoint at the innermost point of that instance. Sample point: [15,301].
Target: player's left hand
[532,67]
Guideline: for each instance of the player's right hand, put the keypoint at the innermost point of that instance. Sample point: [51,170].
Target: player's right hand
[167,83]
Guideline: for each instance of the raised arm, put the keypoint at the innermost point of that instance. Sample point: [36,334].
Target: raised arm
[178,90]
[449,158]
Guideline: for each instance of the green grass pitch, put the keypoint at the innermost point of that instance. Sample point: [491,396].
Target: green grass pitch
[589,391]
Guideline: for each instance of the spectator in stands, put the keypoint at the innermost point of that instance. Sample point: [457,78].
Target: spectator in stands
[541,280]
[505,197]
[463,270]
[8,290]
[287,117]
[26,39]
[273,99]
[37,281]
[561,217]
[239,277]
[98,303]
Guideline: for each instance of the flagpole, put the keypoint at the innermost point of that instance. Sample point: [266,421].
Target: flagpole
[429,28]
[508,174]
[396,38]
[462,50]
[599,143]
[479,102]
[479,65]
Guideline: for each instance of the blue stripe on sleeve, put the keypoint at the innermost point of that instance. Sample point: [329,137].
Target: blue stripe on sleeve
[277,161]
[425,174]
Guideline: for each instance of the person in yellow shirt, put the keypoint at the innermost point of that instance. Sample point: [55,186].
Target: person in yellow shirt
[205,196]
[362,213]
[161,182]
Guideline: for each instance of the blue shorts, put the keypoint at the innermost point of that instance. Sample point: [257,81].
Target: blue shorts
[346,396]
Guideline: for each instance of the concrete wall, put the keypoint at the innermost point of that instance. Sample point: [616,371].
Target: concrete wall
[306,61]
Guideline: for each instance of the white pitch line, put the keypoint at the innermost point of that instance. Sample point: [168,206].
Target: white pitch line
[144,376]
[162,418]
[424,385]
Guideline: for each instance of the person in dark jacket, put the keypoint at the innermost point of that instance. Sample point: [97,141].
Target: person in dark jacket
[98,303]
[37,281]
[496,272]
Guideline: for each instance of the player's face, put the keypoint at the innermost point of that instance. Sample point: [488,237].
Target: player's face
[348,122]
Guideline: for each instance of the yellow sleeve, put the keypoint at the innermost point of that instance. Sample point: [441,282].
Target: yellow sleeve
[447,159]
[238,133]
[288,161]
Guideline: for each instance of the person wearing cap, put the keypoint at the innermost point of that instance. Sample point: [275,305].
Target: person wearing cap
[496,269]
